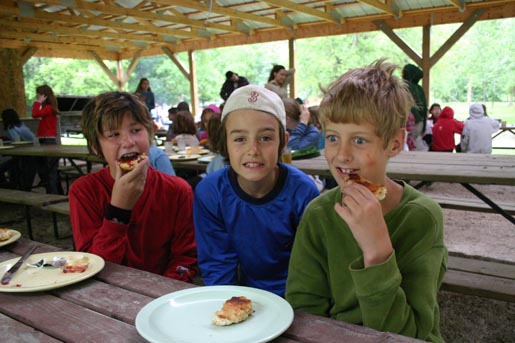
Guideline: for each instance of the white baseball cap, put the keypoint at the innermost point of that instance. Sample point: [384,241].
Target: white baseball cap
[256,98]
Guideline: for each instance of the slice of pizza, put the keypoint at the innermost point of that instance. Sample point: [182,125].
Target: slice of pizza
[128,161]
[234,310]
[378,190]
[5,234]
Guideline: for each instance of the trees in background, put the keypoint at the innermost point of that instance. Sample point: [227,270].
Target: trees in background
[480,67]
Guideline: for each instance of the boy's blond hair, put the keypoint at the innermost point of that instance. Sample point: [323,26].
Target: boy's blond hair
[108,110]
[371,94]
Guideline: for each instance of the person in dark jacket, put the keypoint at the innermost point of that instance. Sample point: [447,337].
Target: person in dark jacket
[412,75]
[232,81]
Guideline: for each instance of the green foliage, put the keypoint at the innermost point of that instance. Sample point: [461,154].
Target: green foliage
[479,67]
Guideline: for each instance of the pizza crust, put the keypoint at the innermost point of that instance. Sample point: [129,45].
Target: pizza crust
[5,234]
[130,164]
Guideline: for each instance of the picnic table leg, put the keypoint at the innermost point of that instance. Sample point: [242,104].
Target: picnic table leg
[29,223]
[489,202]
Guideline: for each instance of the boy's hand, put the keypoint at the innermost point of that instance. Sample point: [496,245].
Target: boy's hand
[363,213]
[304,115]
[128,186]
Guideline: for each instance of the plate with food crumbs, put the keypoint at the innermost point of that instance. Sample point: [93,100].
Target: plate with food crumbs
[180,157]
[36,275]
[249,315]
[8,236]
[193,150]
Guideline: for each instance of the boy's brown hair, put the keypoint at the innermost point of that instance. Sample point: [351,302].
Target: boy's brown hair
[371,94]
[108,110]
[292,108]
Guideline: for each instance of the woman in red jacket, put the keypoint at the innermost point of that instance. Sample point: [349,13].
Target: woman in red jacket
[45,108]
[444,130]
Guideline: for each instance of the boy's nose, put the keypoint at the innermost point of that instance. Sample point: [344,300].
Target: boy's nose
[344,153]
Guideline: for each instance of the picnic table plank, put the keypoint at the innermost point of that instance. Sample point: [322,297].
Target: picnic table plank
[13,331]
[64,320]
[503,270]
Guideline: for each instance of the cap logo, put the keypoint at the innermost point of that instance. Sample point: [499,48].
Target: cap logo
[253,96]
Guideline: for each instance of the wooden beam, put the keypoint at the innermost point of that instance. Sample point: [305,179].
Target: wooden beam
[296,7]
[460,4]
[193,84]
[467,24]
[394,10]
[291,55]
[106,70]
[426,60]
[130,69]
[381,25]
[176,61]
[27,53]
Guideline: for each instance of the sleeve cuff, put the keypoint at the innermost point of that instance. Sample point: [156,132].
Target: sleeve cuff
[369,281]
[117,215]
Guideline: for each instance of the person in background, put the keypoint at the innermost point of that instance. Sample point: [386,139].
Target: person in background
[160,161]
[358,259]
[183,106]
[145,94]
[477,131]
[279,79]
[202,131]
[410,133]
[214,125]
[444,130]
[412,75]
[434,112]
[302,134]
[140,218]
[45,108]
[184,129]
[21,169]
[314,119]
[232,81]
[172,115]
[246,215]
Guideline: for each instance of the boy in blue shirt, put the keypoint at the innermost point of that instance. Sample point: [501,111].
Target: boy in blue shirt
[246,215]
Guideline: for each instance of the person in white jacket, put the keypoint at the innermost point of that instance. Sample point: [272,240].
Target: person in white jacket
[477,133]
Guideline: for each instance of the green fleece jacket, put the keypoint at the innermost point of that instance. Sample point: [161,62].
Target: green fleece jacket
[327,275]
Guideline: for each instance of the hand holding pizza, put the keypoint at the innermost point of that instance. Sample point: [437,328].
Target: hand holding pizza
[128,186]
[362,211]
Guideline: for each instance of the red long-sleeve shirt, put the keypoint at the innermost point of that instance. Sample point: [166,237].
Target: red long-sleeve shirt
[160,236]
[48,124]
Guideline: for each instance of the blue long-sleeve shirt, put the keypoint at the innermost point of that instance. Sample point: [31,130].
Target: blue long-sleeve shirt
[303,136]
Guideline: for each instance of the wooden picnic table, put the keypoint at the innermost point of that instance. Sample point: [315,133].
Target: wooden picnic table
[103,309]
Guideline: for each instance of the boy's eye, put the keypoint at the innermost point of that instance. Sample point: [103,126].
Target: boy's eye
[136,130]
[239,139]
[331,138]
[266,138]
[360,140]
[112,134]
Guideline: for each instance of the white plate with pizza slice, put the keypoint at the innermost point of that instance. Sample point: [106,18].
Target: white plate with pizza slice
[179,157]
[186,316]
[13,237]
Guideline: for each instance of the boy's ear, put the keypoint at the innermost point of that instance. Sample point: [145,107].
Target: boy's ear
[397,143]
[286,138]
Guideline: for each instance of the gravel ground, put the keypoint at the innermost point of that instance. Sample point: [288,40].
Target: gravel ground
[463,318]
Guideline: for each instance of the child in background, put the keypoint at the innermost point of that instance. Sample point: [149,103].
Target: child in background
[434,112]
[45,108]
[378,263]
[444,130]
[144,93]
[184,129]
[314,119]
[141,218]
[477,131]
[214,125]
[302,134]
[246,215]
[202,131]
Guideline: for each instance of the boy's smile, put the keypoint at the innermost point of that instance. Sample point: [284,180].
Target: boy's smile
[252,145]
[355,149]
[130,137]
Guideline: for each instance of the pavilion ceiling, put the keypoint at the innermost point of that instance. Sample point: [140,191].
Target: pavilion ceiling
[120,29]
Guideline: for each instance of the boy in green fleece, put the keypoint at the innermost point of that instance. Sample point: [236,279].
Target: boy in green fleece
[377,263]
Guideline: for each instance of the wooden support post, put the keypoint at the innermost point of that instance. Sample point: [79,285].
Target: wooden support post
[12,87]
[193,83]
[106,70]
[426,60]
[291,54]
[381,25]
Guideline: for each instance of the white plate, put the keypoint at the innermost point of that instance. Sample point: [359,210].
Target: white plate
[184,157]
[30,279]
[197,151]
[185,316]
[6,147]
[15,236]
[206,159]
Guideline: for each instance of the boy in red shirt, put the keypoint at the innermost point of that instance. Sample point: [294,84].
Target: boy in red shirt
[140,218]
[444,130]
